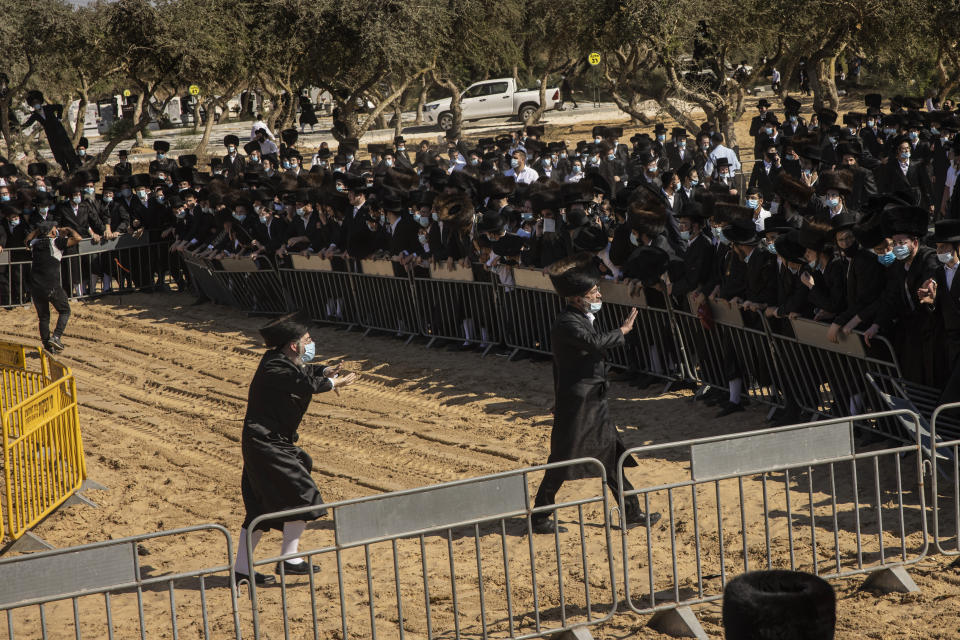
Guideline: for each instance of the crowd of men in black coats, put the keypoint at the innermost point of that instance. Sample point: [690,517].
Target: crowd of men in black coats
[832,224]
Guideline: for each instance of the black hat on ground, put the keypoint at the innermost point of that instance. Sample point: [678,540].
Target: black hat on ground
[946,231]
[779,604]
[285,329]
[574,275]
[161,145]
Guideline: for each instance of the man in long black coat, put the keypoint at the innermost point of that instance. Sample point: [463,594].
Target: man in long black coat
[581,424]
[49,118]
[276,472]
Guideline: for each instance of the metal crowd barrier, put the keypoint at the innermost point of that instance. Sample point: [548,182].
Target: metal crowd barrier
[530,305]
[736,336]
[653,346]
[826,506]
[436,547]
[455,306]
[945,462]
[93,590]
[386,302]
[43,461]
[828,379]
[322,287]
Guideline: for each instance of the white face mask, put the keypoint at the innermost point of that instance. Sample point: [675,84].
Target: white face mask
[945,258]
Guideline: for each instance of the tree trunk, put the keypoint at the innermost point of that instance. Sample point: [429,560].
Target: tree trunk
[81,110]
[201,148]
[454,92]
[138,115]
[421,100]
[516,76]
[823,80]
[536,115]
[630,105]
[397,118]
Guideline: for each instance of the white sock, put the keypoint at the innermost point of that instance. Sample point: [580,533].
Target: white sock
[736,388]
[291,539]
[243,562]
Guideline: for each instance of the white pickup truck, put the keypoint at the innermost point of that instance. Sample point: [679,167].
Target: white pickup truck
[490,99]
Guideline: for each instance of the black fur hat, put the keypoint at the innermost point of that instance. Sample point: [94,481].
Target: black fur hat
[574,275]
[787,605]
[285,329]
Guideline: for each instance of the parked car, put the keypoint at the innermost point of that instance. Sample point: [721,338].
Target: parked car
[490,99]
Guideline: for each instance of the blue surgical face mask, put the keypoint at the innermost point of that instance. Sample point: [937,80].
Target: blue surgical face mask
[901,252]
[383,218]
[771,247]
[694,183]
[769,131]
[435,216]
[870,123]
[4,198]
[833,203]
[81,152]
[77,199]
[681,144]
[887,259]
[661,137]
[793,119]
[107,199]
[309,351]
[904,155]
[595,307]
[813,264]
[159,198]
[684,235]
[753,203]
[424,221]
[183,214]
[15,221]
[88,190]
[634,239]
[263,219]
[514,163]
[913,135]
[945,258]
[889,131]
[159,156]
[577,168]
[388,162]
[832,139]
[42,188]
[44,210]
[546,162]
[239,217]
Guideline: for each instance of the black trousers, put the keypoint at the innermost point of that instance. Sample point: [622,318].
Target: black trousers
[553,479]
[42,299]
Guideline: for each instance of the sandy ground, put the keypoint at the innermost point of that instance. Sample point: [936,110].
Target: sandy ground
[163,387]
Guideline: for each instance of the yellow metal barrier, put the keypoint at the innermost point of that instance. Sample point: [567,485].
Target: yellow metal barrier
[43,461]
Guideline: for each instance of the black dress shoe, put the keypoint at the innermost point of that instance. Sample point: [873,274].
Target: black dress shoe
[728,408]
[55,341]
[262,580]
[545,525]
[299,569]
[639,518]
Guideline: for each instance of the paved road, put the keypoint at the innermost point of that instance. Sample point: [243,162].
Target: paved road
[183,140]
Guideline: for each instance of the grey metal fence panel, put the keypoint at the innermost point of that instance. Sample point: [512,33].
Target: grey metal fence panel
[420,575]
[386,302]
[324,288]
[103,590]
[945,482]
[835,511]
[454,306]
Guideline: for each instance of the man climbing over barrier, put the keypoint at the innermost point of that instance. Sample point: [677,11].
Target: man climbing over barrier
[581,422]
[276,472]
[47,245]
